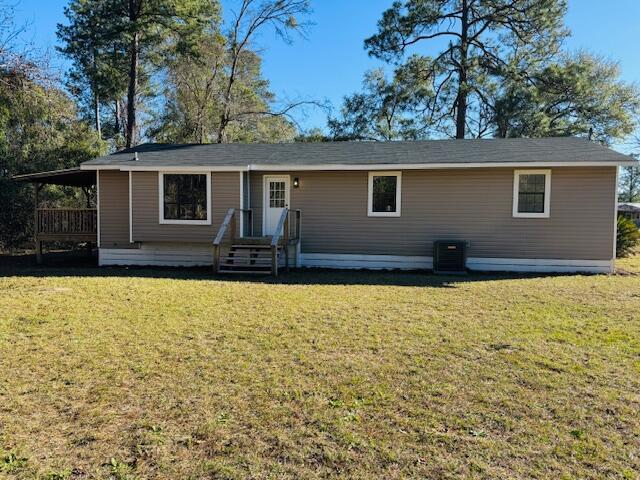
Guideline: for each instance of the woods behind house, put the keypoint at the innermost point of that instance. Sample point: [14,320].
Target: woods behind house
[182,72]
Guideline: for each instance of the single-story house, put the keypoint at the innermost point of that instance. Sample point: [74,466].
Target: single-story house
[538,205]
[631,211]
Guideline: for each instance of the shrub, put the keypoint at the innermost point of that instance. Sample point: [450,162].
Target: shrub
[628,236]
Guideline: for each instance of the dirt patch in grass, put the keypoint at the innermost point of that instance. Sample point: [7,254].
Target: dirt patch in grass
[147,374]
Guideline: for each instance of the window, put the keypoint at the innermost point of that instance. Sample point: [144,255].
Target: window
[277,194]
[185,198]
[384,194]
[531,193]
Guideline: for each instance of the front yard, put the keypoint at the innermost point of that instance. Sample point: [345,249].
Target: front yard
[139,374]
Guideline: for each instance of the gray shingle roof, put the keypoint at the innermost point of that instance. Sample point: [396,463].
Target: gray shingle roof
[522,150]
[628,207]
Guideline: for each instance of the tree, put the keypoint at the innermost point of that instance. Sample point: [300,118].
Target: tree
[142,32]
[385,110]
[39,131]
[98,73]
[314,135]
[573,96]
[194,100]
[480,34]
[252,17]
[629,184]
[627,237]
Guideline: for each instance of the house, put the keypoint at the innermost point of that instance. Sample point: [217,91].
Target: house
[631,211]
[540,205]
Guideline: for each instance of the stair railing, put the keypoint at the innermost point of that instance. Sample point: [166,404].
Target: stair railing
[246,219]
[298,217]
[228,224]
[282,230]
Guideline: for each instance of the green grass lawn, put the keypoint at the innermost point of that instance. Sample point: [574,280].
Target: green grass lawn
[140,374]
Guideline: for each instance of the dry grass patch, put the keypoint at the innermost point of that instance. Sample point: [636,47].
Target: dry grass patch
[350,375]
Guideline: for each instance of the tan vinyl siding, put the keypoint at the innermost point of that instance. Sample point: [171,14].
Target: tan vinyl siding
[467,204]
[114,209]
[225,194]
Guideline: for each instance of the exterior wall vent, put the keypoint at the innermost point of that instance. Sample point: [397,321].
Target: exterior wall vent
[449,256]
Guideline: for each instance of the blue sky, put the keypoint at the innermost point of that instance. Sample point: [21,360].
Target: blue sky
[331,61]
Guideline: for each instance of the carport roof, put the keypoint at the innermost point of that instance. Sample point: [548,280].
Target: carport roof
[72,177]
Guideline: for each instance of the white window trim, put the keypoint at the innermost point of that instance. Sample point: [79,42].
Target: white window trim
[161,218]
[385,173]
[547,193]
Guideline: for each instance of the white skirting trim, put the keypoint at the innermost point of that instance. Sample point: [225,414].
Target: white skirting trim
[539,265]
[168,255]
[202,255]
[382,262]
[370,262]
[160,256]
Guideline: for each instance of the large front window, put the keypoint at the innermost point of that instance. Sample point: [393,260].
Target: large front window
[384,194]
[185,198]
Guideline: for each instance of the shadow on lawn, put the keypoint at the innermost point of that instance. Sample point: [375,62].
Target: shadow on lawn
[57,265]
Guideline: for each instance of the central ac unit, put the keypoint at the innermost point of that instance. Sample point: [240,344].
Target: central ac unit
[449,256]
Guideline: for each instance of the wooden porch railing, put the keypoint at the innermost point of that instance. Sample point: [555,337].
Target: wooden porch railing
[283,231]
[282,239]
[67,221]
[229,224]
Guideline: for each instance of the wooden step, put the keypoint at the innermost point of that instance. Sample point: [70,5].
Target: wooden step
[246,253]
[248,257]
[234,266]
[250,272]
[259,241]
[245,261]
[251,256]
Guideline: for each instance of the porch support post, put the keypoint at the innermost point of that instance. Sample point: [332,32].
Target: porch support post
[36,237]
[274,260]
[216,258]
[286,242]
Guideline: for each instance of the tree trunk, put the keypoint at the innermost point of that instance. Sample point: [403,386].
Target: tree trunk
[96,97]
[118,127]
[461,100]
[96,112]
[226,111]
[224,120]
[133,80]
[132,93]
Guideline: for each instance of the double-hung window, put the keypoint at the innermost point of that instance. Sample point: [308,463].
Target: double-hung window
[531,193]
[185,198]
[384,194]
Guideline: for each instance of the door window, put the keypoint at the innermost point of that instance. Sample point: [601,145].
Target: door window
[277,194]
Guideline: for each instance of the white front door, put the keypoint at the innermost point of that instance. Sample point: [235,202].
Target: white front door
[276,199]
